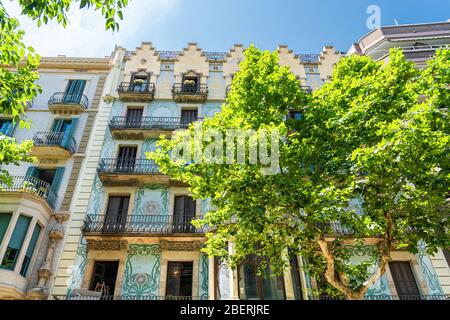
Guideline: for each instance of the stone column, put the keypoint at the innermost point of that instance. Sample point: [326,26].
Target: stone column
[40,291]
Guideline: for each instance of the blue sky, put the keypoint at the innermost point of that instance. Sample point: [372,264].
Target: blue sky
[305,26]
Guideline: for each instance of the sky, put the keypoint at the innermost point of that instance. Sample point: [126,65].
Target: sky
[304,25]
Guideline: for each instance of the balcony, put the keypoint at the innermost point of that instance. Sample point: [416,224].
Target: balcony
[140,224]
[32,186]
[109,297]
[128,128]
[68,104]
[56,145]
[190,93]
[131,172]
[136,92]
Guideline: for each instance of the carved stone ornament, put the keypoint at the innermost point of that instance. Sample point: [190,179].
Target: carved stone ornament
[107,245]
[181,245]
[108,98]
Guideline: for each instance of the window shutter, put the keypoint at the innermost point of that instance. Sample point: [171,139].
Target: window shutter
[19,233]
[30,250]
[32,172]
[57,179]
[57,125]
[5,218]
[69,135]
[189,207]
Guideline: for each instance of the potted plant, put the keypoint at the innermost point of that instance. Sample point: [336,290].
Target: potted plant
[138,84]
[189,85]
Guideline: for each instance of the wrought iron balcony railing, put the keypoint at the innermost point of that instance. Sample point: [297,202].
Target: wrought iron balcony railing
[66,98]
[387,297]
[151,123]
[32,186]
[153,224]
[127,166]
[134,87]
[58,139]
[124,297]
[198,89]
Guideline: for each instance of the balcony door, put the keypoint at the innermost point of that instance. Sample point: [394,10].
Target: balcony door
[126,159]
[134,118]
[116,214]
[104,277]
[190,83]
[74,91]
[404,280]
[179,280]
[183,214]
[139,82]
[188,116]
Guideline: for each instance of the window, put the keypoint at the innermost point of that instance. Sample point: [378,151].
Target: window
[295,275]
[254,287]
[74,91]
[183,214]
[15,243]
[104,276]
[116,213]
[404,280]
[179,279]
[139,82]
[51,176]
[188,116]
[6,126]
[134,117]
[47,175]
[190,83]
[296,115]
[446,255]
[126,158]
[5,218]
[30,250]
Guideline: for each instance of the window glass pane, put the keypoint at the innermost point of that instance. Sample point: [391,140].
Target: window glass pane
[30,250]
[5,218]
[15,243]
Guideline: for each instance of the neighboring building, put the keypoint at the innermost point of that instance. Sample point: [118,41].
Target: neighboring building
[34,209]
[130,226]
[418,42]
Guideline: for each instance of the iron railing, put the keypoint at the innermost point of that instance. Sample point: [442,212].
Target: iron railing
[151,123]
[124,297]
[133,87]
[60,139]
[67,98]
[387,297]
[127,166]
[153,224]
[196,89]
[33,186]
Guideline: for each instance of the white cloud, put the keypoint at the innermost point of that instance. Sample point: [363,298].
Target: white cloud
[85,35]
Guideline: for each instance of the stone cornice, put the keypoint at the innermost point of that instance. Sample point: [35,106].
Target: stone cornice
[75,63]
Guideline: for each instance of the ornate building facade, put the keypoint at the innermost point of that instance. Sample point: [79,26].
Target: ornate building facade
[101,222]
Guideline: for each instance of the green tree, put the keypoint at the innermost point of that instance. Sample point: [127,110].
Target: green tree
[367,161]
[18,64]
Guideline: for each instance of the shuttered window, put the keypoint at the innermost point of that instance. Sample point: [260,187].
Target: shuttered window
[6,127]
[5,218]
[116,213]
[30,250]
[126,159]
[74,91]
[183,214]
[15,243]
[404,280]
[188,116]
[134,117]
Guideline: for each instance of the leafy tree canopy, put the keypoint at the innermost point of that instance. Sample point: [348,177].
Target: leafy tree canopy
[367,163]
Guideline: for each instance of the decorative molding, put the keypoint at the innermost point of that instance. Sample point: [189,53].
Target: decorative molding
[76,63]
[108,98]
[181,245]
[107,245]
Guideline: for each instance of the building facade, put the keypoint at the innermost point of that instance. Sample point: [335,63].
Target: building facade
[35,208]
